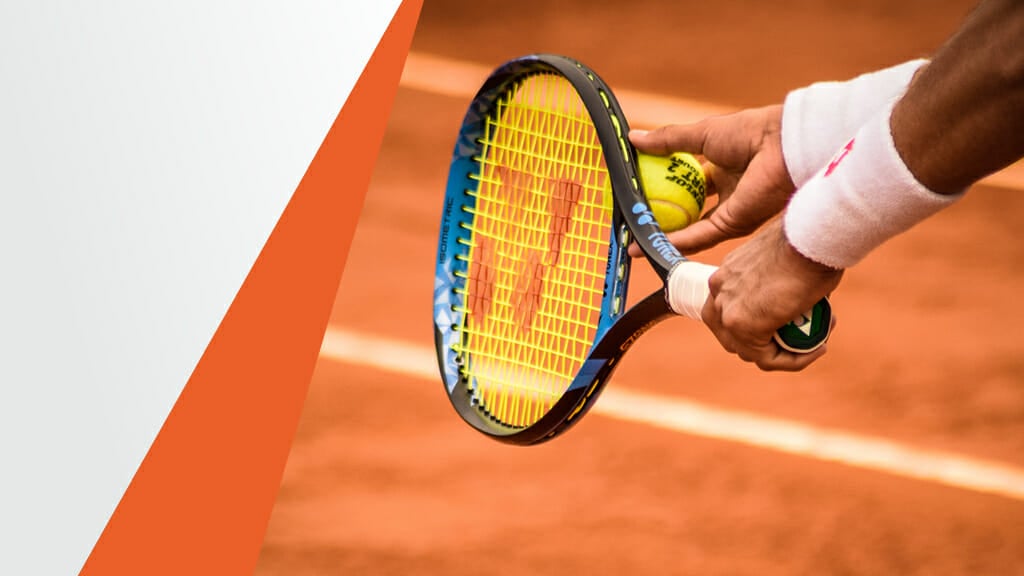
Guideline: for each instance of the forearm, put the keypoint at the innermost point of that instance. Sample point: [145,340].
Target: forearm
[962,117]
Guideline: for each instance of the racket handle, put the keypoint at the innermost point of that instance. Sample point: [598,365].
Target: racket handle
[688,288]
[688,291]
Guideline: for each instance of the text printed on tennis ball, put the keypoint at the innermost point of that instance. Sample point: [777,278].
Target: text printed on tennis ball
[675,188]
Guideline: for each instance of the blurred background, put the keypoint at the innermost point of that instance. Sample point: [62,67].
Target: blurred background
[925,369]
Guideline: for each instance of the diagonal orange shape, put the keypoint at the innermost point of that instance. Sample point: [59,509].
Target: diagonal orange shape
[201,500]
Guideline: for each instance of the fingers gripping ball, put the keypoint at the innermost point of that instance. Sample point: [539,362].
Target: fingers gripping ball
[675,188]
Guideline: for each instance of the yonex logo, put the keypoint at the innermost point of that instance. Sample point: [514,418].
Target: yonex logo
[658,240]
[664,247]
[804,324]
[645,213]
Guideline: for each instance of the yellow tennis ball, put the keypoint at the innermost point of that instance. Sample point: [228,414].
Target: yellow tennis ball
[675,188]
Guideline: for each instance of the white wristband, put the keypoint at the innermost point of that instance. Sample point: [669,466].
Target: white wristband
[863,197]
[820,118]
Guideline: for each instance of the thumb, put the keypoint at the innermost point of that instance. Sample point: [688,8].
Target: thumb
[699,236]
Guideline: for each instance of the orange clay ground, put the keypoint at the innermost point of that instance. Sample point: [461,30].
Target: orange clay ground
[384,478]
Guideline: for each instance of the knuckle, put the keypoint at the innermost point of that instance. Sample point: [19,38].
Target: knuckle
[732,320]
[748,355]
[715,282]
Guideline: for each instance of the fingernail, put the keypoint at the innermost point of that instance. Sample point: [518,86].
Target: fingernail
[638,133]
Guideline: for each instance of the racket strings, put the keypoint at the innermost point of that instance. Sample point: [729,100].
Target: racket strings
[537,252]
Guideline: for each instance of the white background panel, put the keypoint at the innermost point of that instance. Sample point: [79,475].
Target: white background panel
[146,151]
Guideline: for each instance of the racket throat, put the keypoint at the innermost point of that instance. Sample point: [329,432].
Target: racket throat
[621,335]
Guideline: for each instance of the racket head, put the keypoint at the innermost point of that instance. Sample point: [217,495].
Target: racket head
[532,272]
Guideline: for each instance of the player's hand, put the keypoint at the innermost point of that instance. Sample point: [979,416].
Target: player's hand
[760,286]
[743,165]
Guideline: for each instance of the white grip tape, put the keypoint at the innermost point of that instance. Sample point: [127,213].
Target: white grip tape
[688,288]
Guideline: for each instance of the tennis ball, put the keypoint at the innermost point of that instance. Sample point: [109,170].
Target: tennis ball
[675,188]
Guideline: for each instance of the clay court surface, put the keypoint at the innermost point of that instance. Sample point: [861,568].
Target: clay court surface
[384,478]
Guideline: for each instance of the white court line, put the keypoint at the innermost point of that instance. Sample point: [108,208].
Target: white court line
[460,79]
[698,419]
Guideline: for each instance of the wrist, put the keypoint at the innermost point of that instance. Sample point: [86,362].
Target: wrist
[798,263]
[772,142]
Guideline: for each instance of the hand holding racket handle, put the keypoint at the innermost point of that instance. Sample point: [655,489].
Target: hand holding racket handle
[688,291]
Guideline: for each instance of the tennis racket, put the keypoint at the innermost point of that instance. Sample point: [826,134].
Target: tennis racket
[542,201]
